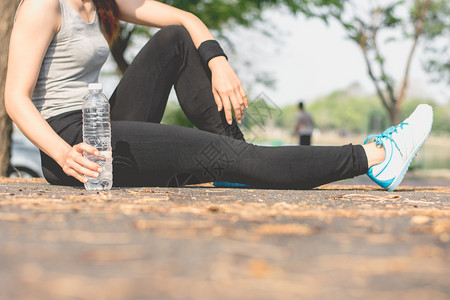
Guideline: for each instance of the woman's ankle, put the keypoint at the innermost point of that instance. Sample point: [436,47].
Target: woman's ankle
[375,154]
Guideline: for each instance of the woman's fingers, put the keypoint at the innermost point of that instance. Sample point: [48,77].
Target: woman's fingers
[227,110]
[243,95]
[238,110]
[228,91]
[80,160]
[78,166]
[83,147]
[241,102]
[232,99]
[218,101]
[78,176]
[85,167]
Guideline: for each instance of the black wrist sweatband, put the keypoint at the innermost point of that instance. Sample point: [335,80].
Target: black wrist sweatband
[210,49]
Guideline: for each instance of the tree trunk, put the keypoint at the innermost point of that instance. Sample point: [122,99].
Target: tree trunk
[7,12]
[394,113]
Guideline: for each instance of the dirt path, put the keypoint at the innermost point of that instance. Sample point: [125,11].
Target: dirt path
[336,242]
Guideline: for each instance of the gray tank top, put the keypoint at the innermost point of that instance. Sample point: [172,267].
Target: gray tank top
[72,61]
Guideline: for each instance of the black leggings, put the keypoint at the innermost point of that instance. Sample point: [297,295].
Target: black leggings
[147,153]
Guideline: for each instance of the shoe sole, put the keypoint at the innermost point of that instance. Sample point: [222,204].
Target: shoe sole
[405,168]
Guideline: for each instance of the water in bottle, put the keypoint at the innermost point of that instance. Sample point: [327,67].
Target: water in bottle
[97,133]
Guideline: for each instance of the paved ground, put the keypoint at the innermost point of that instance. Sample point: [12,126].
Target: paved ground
[336,242]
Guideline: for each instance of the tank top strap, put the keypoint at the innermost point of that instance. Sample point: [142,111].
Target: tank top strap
[66,10]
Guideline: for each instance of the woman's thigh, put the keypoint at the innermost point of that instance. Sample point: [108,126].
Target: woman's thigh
[151,154]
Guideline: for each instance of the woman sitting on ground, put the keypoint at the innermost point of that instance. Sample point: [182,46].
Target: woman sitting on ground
[58,47]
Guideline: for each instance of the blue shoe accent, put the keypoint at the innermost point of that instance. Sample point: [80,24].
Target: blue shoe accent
[224,184]
[383,183]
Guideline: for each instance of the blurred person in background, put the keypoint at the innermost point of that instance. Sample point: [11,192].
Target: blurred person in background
[304,126]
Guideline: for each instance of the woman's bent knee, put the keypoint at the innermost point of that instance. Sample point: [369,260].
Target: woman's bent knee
[173,33]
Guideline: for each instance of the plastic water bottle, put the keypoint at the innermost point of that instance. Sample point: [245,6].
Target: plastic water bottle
[97,133]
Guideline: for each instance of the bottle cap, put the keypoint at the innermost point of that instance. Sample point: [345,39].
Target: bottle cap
[95,86]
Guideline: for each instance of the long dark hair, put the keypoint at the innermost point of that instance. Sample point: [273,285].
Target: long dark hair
[108,13]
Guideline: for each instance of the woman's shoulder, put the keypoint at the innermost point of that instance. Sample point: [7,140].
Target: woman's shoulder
[36,11]
[30,8]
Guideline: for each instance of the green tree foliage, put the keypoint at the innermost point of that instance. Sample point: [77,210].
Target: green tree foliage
[441,122]
[437,28]
[218,14]
[222,14]
[372,24]
[346,111]
[364,114]
[341,111]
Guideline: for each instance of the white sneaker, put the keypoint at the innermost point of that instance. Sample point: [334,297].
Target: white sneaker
[401,144]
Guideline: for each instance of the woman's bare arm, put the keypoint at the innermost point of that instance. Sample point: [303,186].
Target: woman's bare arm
[36,24]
